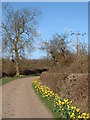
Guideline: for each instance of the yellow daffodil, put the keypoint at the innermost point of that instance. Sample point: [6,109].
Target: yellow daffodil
[77,109]
[60,104]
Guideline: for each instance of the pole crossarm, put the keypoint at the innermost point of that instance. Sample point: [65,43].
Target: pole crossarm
[77,46]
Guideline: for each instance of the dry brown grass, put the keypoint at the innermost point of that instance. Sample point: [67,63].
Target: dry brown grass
[69,82]
[71,86]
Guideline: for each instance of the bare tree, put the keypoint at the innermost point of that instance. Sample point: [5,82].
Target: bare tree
[57,47]
[19,30]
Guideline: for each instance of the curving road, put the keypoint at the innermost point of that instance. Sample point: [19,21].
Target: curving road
[20,101]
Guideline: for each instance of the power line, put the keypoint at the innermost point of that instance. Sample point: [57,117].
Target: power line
[77,46]
[77,34]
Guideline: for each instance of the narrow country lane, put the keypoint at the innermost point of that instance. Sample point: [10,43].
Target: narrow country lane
[20,101]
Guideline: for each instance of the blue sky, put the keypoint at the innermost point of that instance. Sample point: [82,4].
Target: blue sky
[58,17]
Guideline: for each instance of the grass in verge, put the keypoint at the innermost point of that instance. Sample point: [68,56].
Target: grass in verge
[5,80]
[49,105]
[63,108]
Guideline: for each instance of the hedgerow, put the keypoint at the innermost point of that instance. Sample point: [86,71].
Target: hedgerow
[62,106]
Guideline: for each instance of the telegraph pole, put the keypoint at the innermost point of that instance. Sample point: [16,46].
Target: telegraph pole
[77,46]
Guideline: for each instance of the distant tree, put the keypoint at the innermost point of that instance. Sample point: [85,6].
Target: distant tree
[57,47]
[19,29]
[83,58]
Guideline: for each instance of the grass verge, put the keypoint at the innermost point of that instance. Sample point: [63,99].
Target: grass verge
[60,107]
[5,80]
[49,104]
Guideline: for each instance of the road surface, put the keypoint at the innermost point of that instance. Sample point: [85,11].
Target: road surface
[20,101]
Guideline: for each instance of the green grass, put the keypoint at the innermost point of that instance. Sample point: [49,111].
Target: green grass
[49,105]
[5,80]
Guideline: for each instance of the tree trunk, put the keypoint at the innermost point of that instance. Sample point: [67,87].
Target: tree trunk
[17,64]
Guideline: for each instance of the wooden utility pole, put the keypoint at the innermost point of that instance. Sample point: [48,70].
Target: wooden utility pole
[77,53]
[78,45]
[77,48]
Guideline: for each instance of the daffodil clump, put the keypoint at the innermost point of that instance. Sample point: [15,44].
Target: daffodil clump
[63,106]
